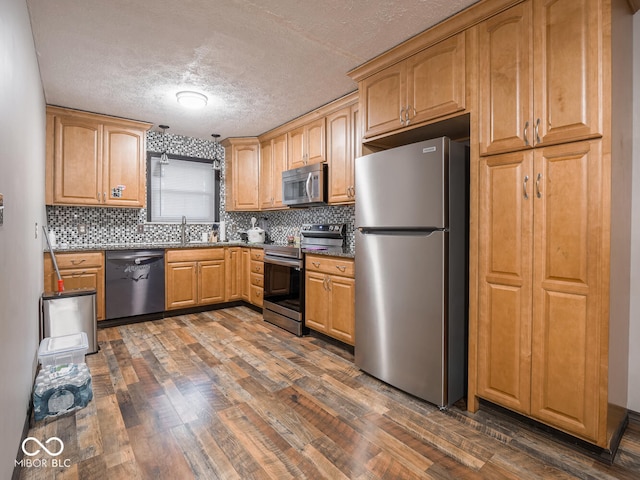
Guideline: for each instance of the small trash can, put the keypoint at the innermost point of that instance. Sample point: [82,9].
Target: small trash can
[71,311]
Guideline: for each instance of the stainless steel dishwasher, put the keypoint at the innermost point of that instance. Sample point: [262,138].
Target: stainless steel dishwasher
[134,282]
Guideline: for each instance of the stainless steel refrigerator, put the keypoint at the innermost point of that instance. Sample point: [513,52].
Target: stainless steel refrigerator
[412,268]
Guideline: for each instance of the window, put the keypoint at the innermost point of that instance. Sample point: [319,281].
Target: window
[186,186]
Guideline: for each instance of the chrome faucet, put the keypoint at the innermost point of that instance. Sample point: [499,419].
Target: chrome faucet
[183,226]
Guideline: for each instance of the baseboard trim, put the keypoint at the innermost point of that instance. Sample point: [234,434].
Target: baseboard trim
[20,454]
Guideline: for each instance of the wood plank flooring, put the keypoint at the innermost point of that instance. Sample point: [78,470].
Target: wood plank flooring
[224,395]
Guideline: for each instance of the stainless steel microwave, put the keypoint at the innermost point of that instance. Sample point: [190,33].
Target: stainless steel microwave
[305,186]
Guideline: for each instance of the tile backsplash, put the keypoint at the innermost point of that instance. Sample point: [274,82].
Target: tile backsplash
[122,225]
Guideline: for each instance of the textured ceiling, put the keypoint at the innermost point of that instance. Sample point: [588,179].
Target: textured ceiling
[261,63]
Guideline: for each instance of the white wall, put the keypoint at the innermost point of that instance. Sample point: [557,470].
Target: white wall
[22,140]
[634,330]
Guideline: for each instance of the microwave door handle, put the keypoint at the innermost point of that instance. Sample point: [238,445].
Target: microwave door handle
[308,186]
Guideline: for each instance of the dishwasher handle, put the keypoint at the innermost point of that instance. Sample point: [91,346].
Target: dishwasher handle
[140,256]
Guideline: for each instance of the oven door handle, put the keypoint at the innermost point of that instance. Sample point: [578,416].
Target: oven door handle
[282,262]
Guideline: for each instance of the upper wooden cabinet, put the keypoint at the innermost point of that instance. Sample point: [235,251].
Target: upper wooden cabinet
[539,75]
[94,159]
[242,159]
[343,144]
[273,161]
[427,85]
[306,144]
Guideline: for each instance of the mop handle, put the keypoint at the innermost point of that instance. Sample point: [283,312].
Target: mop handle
[53,258]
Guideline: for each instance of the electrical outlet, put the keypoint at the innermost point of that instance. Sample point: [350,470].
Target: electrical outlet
[141,228]
[82,229]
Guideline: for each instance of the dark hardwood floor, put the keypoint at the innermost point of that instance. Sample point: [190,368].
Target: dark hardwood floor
[222,394]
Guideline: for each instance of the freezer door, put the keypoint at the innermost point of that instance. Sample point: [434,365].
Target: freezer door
[400,313]
[404,186]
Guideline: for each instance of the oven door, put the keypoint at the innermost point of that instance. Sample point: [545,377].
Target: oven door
[284,293]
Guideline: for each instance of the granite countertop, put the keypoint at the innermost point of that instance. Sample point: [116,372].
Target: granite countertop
[346,253]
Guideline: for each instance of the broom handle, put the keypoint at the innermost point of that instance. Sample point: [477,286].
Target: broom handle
[53,258]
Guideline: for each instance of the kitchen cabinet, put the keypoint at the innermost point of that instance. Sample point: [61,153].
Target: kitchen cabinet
[94,160]
[273,161]
[539,288]
[194,277]
[242,156]
[306,144]
[343,146]
[233,271]
[330,296]
[256,277]
[78,270]
[540,72]
[427,85]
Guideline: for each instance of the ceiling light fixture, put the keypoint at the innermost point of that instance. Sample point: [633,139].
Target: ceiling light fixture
[191,99]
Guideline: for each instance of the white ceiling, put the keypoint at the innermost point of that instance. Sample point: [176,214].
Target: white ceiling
[261,63]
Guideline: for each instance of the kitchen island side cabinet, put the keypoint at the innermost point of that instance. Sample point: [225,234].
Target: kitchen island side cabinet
[540,73]
[330,296]
[194,277]
[242,159]
[78,270]
[94,160]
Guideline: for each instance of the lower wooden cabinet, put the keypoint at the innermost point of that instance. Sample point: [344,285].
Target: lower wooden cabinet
[256,276]
[330,296]
[78,270]
[194,277]
[233,271]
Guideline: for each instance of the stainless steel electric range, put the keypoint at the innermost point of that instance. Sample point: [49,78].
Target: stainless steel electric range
[284,274]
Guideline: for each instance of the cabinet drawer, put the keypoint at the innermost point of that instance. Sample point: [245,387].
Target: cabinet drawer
[257,267]
[194,254]
[77,260]
[256,295]
[257,279]
[257,254]
[330,265]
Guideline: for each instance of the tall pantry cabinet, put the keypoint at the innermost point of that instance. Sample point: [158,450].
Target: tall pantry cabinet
[548,334]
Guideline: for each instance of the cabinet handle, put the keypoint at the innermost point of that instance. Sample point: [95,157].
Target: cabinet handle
[78,274]
[525,133]
[410,111]
[104,197]
[98,197]
[342,268]
[316,264]
[537,132]
[538,178]
[329,284]
[76,262]
[402,116]
[524,187]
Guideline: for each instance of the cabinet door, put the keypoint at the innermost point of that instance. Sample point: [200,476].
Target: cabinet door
[383,97]
[315,141]
[506,81]
[123,166]
[569,324]
[505,259]
[342,302]
[436,80]
[279,153]
[245,176]
[339,155]
[296,149]
[182,284]
[316,301]
[266,175]
[567,50]
[77,161]
[211,288]
[246,274]
[233,272]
